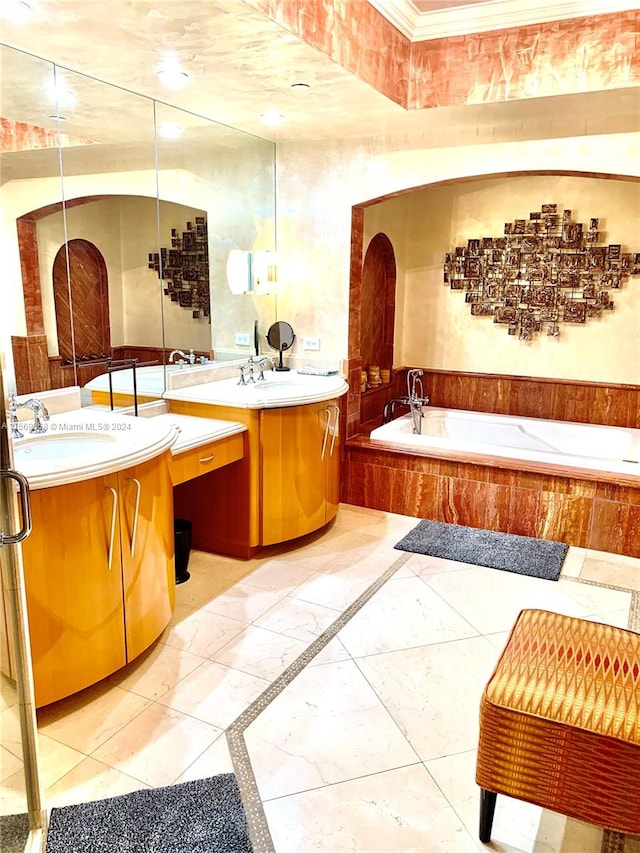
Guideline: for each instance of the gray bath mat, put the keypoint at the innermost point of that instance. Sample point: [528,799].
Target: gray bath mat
[523,555]
[193,817]
[14,831]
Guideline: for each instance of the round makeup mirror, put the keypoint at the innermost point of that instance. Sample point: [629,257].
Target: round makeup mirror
[280,337]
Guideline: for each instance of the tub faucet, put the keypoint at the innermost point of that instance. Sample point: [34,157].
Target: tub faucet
[416,398]
[39,411]
[190,358]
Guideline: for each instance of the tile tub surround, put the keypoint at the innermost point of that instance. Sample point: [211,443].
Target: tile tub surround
[585,510]
[535,397]
[523,396]
[407,790]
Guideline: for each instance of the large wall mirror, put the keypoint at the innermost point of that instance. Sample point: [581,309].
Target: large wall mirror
[118,216]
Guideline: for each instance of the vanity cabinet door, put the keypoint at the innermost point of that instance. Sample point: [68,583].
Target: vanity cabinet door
[299,477]
[148,570]
[73,586]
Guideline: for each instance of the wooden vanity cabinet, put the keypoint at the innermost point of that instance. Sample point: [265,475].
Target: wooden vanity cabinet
[99,575]
[285,485]
[147,552]
[300,456]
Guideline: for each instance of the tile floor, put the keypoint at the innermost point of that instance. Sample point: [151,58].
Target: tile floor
[368,744]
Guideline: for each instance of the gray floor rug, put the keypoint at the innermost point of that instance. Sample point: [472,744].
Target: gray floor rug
[14,831]
[205,816]
[523,555]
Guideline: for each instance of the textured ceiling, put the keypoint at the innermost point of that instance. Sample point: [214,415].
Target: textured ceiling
[241,63]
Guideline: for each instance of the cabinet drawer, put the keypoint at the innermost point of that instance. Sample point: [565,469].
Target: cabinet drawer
[200,460]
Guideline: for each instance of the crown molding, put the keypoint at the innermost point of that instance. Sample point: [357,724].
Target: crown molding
[490,15]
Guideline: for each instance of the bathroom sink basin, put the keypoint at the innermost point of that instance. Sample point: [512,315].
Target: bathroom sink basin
[60,445]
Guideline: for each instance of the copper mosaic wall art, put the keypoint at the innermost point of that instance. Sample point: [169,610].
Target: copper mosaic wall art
[543,271]
[184,268]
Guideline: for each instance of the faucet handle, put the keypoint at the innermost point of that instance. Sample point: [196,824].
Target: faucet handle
[13,416]
[242,380]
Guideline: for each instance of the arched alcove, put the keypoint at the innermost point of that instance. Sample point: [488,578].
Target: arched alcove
[83,331]
[378,303]
[433,332]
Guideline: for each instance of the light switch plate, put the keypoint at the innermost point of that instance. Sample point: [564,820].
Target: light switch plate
[311,343]
[243,340]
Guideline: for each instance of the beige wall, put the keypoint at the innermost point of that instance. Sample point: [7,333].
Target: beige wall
[319,184]
[434,327]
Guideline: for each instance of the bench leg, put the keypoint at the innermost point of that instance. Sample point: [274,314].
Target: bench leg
[487,809]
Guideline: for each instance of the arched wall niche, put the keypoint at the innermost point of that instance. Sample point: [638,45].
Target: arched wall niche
[378,302]
[449,343]
[81,299]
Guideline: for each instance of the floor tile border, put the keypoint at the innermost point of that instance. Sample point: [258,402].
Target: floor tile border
[258,827]
[256,818]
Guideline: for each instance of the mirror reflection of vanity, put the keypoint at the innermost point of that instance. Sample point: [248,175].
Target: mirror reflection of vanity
[98,185]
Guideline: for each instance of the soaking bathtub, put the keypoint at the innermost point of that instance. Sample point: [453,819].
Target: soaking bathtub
[562,443]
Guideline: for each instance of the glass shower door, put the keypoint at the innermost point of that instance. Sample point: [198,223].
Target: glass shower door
[22,817]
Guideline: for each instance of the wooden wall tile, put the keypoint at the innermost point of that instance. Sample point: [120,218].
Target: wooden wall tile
[30,271]
[462,502]
[617,493]
[615,523]
[498,502]
[524,512]
[566,518]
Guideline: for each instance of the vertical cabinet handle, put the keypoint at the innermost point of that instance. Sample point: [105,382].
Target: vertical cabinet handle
[136,513]
[114,511]
[336,427]
[326,432]
[25,508]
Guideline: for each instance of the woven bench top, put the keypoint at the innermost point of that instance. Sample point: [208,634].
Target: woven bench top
[571,671]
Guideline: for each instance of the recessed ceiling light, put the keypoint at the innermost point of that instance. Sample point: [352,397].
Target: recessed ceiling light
[171,73]
[16,11]
[272,117]
[170,130]
[59,94]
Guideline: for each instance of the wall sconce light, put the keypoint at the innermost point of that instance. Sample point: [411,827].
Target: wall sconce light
[264,272]
[251,272]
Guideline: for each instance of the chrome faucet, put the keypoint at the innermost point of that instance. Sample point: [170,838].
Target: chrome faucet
[415,395]
[190,358]
[39,411]
[260,364]
[415,400]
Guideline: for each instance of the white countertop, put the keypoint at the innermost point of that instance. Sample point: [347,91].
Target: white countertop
[82,444]
[278,390]
[89,442]
[193,432]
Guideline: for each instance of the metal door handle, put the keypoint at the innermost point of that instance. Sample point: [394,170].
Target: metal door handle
[136,513]
[25,507]
[112,535]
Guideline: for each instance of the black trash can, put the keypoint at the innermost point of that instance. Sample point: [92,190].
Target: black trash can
[182,536]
